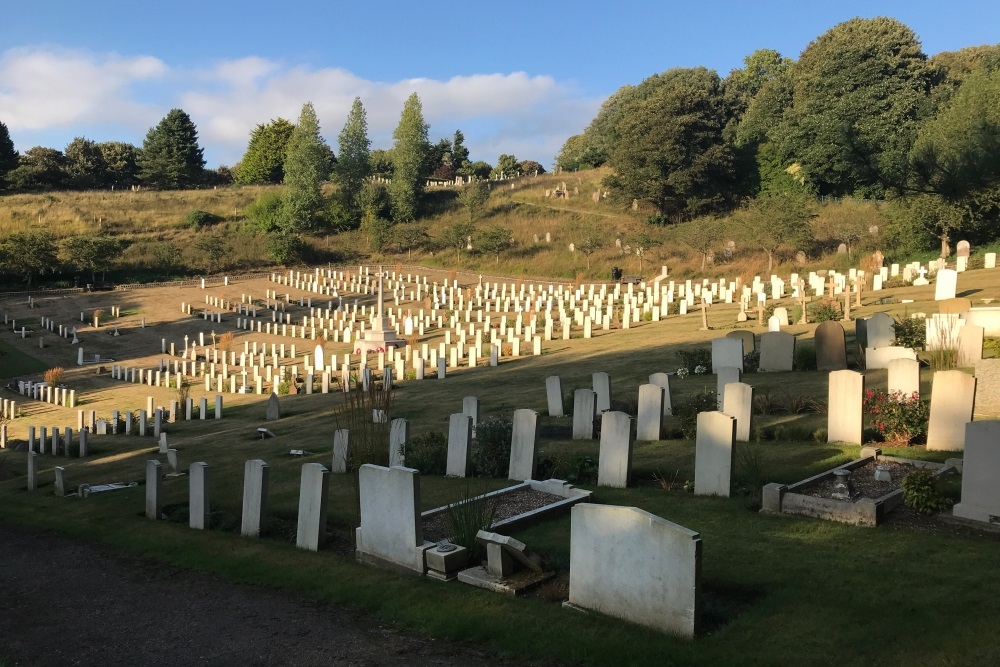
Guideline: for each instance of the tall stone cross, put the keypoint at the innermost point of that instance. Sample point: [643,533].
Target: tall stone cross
[803,301]
[381,301]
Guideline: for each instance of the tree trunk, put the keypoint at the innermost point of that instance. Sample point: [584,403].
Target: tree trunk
[770,260]
[945,247]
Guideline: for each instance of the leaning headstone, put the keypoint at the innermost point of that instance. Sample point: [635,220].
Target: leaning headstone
[614,466]
[649,573]
[713,457]
[725,375]
[845,411]
[273,408]
[256,474]
[738,404]
[946,284]
[953,395]
[904,377]
[749,342]
[340,444]
[554,395]
[199,495]
[727,352]
[470,407]
[649,415]
[311,527]
[154,481]
[980,471]
[831,346]
[970,345]
[32,479]
[524,439]
[459,444]
[390,531]
[399,435]
[777,351]
[60,483]
[602,387]
[663,380]
[881,330]
[584,411]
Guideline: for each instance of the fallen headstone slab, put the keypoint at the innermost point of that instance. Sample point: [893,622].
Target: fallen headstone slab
[503,555]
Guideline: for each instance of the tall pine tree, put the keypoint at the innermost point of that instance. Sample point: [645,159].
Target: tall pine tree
[409,155]
[306,167]
[353,159]
[8,156]
[171,157]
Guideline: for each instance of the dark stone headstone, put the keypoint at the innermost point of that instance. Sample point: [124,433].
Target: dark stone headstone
[749,344]
[831,347]
[273,408]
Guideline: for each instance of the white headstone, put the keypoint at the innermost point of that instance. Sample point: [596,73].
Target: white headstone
[255,481]
[313,489]
[953,396]
[615,459]
[713,458]
[390,528]
[524,438]
[845,415]
[980,472]
[459,445]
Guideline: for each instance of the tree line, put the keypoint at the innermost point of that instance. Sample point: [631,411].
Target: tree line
[862,113]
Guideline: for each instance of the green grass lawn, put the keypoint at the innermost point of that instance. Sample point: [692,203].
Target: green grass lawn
[777,589]
[15,363]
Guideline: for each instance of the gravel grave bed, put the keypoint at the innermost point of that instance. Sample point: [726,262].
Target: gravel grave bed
[864,482]
[437,527]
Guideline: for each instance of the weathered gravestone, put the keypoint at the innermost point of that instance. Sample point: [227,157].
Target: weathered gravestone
[470,407]
[970,345]
[602,388]
[881,330]
[614,466]
[738,403]
[390,531]
[777,351]
[845,411]
[725,375]
[273,408]
[980,471]
[749,342]
[154,498]
[988,387]
[727,352]
[831,346]
[963,249]
[313,489]
[199,495]
[584,411]
[523,440]
[459,443]
[341,438]
[399,435]
[955,306]
[883,356]
[946,284]
[663,380]
[256,474]
[904,377]
[554,395]
[952,399]
[633,565]
[713,456]
[650,413]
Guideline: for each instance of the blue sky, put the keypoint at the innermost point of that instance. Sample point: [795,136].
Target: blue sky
[515,77]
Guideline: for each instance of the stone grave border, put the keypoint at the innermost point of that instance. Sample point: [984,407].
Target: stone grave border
[869,512]
[557,487]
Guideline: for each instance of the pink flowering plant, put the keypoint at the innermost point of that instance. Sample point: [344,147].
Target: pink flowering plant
[899,418]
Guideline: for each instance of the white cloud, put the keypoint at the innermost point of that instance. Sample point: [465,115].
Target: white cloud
[52,89]
[56,88]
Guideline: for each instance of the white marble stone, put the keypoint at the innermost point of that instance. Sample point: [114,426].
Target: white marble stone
[341,439]
[554,395]
[199,495]
[845,412]
[713,458]
[650,413]
[390,529]
[313,489]
[459,445]
[584,412]
[256,474]
[615,460]
[524,440]
[602,387]
[726,352]
[738,403]
[952,398]
[980,472]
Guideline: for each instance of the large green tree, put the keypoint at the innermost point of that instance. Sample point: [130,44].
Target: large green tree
[353,157]
[171,157]
[264,160]
[120,163]
[28,254]
[409,157]
[8,156]
[306,167]
[671,151]
[93,253]
[39,168]
[773,221]
[85,164]
[858,95]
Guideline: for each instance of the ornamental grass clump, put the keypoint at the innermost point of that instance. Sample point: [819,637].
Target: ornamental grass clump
[898,417]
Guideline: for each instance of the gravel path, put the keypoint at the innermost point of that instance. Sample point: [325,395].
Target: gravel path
[71,603]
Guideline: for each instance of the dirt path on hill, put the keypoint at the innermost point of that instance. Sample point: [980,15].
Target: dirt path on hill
[72,603]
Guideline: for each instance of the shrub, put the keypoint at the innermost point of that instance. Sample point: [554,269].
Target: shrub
[898,418]
[824,310]
[805,358]
[691,359]
[794,403]
[751,361]
[197,219]
[427,453]
[491,454]
[577,470]
[764,403]
[910,332]
[921,493]
[750,471]
[992,345]
[54,376]
[687,411]
[467,517]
